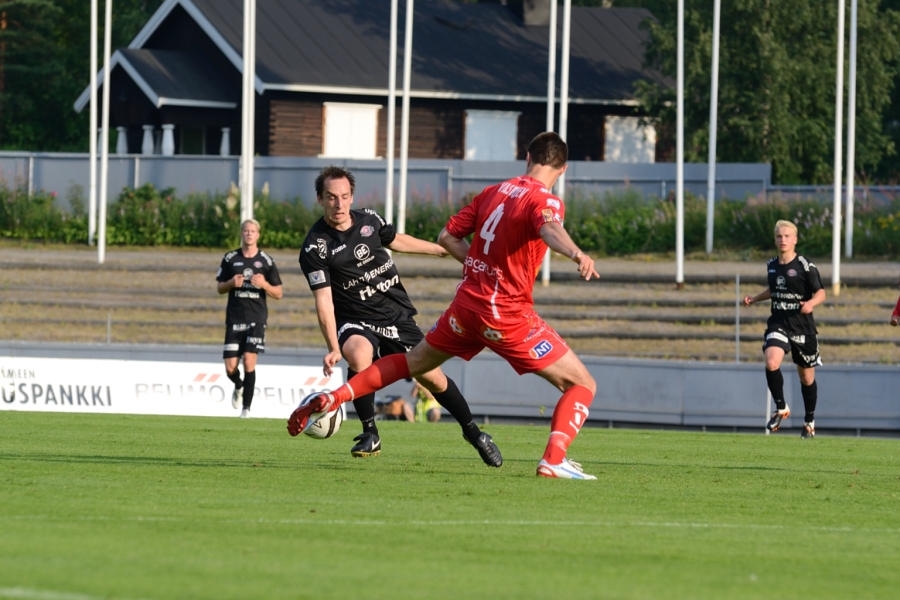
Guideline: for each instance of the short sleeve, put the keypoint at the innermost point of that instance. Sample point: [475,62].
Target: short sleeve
[814,279]
[223,274]
[273,277]
[462,224]
[313,265]
[387,234]
[546,208]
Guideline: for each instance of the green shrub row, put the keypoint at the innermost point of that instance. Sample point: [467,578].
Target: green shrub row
[612,225]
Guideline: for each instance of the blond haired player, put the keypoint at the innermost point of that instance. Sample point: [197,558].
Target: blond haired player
[795,289]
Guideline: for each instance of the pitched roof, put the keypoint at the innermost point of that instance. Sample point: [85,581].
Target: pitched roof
[460,50]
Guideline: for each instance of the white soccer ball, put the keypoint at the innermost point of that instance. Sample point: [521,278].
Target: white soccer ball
[327,424]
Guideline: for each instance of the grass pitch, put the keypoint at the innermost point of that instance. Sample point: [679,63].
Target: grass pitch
[131,507]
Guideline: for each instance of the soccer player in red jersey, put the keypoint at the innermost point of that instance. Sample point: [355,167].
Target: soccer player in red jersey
[513,224]
[895,316]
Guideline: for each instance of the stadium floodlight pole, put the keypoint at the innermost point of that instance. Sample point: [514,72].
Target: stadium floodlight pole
[838,138]
[404,119]
[551,96]
[713,129]
[679,158]
[104,150]
[92,131]
[851,136]
[248,125]
[392,118]
[564,88]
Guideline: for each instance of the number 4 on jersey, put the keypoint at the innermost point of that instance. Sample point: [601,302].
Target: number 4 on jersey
[490,225]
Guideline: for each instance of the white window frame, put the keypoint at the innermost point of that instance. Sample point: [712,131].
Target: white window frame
[491,135]
[626,141]
[349,130]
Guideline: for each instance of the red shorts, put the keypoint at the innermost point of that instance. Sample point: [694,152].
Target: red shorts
[525,341]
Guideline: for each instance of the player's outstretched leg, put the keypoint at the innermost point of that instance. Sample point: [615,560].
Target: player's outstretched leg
[300,418]
[570,414]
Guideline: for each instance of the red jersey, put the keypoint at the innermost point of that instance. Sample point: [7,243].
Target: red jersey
[507,250]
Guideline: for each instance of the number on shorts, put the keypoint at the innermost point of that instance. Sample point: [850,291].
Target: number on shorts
[487,230]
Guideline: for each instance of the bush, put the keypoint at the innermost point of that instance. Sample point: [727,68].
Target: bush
[614,224]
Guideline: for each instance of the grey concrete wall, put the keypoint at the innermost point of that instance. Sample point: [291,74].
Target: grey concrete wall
[290,177]
[636,391]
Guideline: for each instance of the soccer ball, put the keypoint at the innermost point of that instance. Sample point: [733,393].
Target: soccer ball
[327,425]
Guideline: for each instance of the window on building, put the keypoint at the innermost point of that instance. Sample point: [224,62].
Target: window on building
[491,134]
[350,130]
[193,140]
[629,142]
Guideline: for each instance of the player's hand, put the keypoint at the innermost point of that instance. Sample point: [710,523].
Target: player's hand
[331,359]
[258,280]
[748,300]
[585,266]
[805,308]
[238,281]
[895,320]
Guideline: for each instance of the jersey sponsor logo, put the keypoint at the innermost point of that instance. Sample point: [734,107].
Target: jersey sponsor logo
[792,273]
[772,271]
[254,340]
[535,331]
[780,281]
[231,347]
[388,332]
[240,327]
[480,266]
[238,264]
[542,349]
[548,215]
[366,230]
[777,335]
[785,306]
[455,325]
[513,191]
[245,294]
[322,248]
[553,203]
[338,249]
[347,326]
[316,277]
[361,252]
[248,273]
[798,339]
[381,286]
[492,334]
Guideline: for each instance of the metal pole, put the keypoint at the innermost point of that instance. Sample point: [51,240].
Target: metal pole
[404,118]
[551,95]
[851,135]
[92,132]
[391,117]
[679,169]
[248,131]
[737,318]
[31,175]
[713,130]
[104,150]
[137,172]
[838,131]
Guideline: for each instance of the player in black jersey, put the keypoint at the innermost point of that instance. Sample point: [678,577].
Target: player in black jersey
[795,289]
[363,309]
[247,275]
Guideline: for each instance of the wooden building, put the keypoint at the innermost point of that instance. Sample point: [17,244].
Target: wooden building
[479,80]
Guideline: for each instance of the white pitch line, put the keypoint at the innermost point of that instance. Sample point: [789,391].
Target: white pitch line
[18,592]
[463,523]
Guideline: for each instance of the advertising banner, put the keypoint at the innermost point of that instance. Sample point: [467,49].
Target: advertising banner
[151,387]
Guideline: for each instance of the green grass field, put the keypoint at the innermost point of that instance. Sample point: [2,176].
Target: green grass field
[134,507]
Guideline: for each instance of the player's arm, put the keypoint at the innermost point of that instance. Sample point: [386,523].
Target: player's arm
[328,326]
[556,237]
[410,245]
[457,248]
[227,285]
[272,291]
[817,299]
[766,294]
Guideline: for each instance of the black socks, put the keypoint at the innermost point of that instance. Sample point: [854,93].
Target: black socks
[810,396]
[235,377]
[776,386]
[452,399]
[249,387]
[365,408]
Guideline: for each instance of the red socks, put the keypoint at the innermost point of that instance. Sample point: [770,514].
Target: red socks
[382,373]
[570,414]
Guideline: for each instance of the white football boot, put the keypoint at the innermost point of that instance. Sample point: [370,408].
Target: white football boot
[567,469]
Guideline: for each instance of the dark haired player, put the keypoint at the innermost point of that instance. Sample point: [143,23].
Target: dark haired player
[513,224]
[247,275]
[362,306]
[795,288]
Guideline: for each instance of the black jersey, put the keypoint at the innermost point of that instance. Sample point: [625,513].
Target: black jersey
[247,304]
[365,285]
[790,284]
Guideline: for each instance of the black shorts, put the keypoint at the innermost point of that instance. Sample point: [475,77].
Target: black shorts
[804,347]
[241,338]
[399,338]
